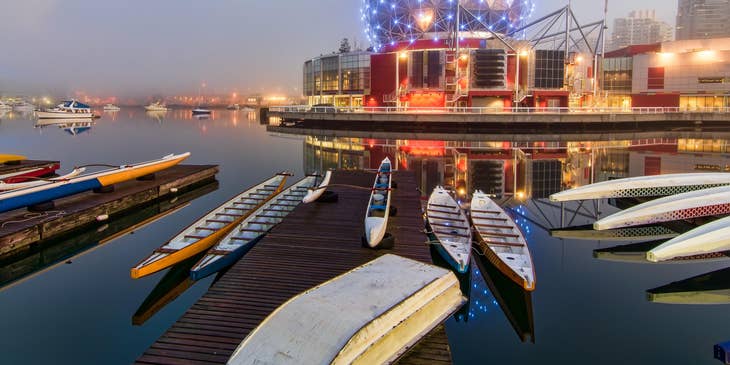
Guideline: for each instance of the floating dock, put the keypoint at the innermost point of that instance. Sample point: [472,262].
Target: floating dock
[21,230]
[315,243]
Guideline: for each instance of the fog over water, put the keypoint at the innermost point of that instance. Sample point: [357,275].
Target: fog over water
[143,48]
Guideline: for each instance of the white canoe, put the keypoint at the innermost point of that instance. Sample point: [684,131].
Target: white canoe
[242,238]
[501,241]
[370,315]
[314,194]
[376,216]
[209,229]
[450,228]
[644,186]
[694,204]
[709,238]
[11,186]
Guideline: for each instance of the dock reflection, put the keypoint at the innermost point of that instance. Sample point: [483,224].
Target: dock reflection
[49,254]
[710,288]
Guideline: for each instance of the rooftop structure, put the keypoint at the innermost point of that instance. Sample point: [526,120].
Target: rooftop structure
[697,19]
[640,27]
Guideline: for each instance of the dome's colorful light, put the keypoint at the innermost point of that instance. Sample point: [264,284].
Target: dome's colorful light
[388,22]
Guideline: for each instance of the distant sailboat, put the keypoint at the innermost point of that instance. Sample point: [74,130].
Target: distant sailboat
[199,110]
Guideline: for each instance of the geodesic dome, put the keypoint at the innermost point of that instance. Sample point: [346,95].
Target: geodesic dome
[388,22]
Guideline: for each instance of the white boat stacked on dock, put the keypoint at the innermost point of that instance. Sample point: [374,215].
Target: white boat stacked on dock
[449,229]
[644,186]
[694,204]
[501,241]
[314,193]
[709,238]
[378,210]
[346,321]
[242,238]
[68,109]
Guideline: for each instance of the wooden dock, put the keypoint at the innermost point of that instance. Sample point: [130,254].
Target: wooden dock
[315,243]
[21,230]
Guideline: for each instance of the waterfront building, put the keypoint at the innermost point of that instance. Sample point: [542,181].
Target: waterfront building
[689,74]
[419,60]
[700,19]
[640,27]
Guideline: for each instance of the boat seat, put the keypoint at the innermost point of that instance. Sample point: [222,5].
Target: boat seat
[377,207]
[381,185]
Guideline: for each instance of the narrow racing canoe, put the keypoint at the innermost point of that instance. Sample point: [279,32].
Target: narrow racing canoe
[314,193]
[346,321]
[449,229]
[28,174]
[709,238]
[208,230]
[55,189]
[19,185]
[242,238]
[645,186]
[694,204]
[378,210]
[501,241]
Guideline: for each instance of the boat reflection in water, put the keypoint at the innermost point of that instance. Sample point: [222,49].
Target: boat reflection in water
[462,315]
[636,253]
[157,116]
[57,251]
[632,234]
[73,127]
[514,300]
[710,288]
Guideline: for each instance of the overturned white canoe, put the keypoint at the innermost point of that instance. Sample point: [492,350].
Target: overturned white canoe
[370,315]
[694,204]
[314,193]
[644,186]
[630,234]
[710,238]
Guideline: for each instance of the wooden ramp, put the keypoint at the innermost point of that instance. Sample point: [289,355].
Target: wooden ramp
[315,243]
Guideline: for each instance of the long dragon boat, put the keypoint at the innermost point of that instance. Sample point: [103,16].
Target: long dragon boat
[378,210]
[709,238]
[345,321]
[208,230]
[501,241]
[694,204]
[242,238]
[55,189]
[645,186]
[449,229]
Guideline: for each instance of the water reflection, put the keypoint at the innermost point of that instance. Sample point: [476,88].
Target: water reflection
[710,288]
[71,126]
[49,254]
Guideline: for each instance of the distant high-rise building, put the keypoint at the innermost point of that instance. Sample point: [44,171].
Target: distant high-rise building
[697,19]
[640,27]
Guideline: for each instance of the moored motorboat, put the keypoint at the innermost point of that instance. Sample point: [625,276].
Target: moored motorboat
[156,107]
[233,107]
[24,107]
[208,230]
[378,210]
[693,204]
[644,186]
[448,228]
[709,238]
[54,189]
[501,241]
[67,109]
[111,108]
[246,234]
[201,111]
[314,193]
[380,325]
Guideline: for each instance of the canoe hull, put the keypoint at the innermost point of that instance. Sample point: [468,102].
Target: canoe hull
[458,252]
[223,261]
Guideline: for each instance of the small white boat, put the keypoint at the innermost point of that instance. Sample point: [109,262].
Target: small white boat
[233,107]
[644,186]
[5,107]
[346,321]
[111,108]
[242,238]
[201,111]
[694,204]
[156,107]
[378,210]
[314,194]
[501,241]
[24,107]
[68,109]
[449,229]
[709,238]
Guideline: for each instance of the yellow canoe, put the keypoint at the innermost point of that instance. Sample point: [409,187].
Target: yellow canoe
[6,157]
[209,229]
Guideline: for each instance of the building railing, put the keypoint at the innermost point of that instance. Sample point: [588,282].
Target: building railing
[494,110]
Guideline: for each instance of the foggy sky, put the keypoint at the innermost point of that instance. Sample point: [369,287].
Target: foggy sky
[158,47]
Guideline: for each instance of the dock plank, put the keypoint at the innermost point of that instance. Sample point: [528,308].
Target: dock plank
[315,243]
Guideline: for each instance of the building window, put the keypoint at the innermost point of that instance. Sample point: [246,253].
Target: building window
[655,80]
[549,69]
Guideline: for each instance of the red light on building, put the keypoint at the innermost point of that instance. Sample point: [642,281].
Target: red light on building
[424,148]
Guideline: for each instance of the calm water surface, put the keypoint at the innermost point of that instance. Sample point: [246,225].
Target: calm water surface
[585,310]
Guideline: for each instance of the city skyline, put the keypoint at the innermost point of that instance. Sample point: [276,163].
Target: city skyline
[170,47]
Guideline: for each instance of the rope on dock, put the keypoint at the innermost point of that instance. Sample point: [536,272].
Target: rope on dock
[32,216]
